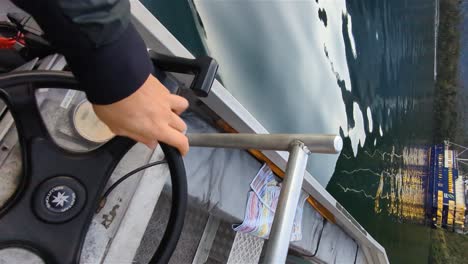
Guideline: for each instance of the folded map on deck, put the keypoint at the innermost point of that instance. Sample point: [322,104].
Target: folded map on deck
[261,207]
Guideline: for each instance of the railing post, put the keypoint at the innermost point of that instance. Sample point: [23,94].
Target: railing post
[280,235]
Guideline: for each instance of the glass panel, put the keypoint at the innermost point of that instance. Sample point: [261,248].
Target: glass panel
[70,119]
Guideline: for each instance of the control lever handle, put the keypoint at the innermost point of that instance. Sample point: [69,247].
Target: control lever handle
[203,68]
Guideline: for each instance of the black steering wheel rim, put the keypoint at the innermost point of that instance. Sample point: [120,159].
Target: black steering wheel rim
[66,80]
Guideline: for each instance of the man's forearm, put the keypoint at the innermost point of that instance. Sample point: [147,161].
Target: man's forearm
[102,47]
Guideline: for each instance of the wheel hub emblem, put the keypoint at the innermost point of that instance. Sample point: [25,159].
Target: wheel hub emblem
[60,199]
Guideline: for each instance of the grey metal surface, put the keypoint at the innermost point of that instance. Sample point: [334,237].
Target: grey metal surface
[138,212]
[5,124]
[336,246]
[222,244]
[280,235]
[107,222]
[206,241]
[47,62]
[10,168]
[19,255]
[6,7]
[193,237]
[3,108]
[28,65]
[195,221]
[360,258]
[8,142]
[218,179]
[246,249]
[331,144]
[59,63]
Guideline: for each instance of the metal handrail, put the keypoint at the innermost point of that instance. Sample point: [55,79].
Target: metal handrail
[330,144]
[299,147]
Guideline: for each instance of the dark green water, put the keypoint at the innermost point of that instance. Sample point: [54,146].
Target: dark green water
[394,72]
[362,69]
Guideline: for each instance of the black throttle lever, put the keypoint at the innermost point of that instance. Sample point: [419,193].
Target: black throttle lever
[204,70]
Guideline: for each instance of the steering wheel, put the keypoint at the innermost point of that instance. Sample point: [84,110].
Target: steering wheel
[56,233]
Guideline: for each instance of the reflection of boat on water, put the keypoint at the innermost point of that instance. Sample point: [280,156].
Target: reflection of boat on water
[400,191]
[446,187]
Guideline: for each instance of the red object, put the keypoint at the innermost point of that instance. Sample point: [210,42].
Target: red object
[10,41]
[7,43]
[9,36]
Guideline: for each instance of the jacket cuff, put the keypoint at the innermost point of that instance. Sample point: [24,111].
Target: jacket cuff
[114,71]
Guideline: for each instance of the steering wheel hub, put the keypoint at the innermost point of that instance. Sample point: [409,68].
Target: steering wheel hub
[59,199]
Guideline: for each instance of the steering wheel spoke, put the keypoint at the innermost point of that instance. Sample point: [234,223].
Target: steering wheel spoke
[21,102]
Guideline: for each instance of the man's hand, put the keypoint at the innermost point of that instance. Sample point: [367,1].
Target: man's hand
[149,115]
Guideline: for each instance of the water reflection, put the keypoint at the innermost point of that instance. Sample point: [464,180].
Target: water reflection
[384,188]
[363,69]
[281,55]
[400,190]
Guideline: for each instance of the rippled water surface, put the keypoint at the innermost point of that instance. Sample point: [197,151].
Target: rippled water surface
[361,69]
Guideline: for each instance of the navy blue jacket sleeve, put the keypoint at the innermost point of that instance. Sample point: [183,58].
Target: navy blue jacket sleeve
[102,47]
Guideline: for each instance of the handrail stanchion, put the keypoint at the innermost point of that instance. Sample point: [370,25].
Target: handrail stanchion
[280,235]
